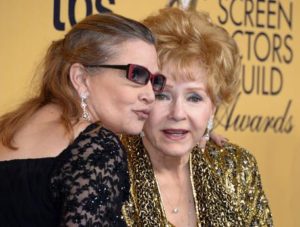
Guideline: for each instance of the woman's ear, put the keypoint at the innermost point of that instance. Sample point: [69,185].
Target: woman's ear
[78,77]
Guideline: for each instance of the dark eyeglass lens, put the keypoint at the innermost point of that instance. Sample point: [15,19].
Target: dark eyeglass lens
[158,82]
[140,75]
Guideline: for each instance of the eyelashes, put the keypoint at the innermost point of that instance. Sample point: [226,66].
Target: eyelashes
[162,96]
[193,97]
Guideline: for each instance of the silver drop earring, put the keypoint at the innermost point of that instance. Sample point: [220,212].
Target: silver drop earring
[83,104]
[210,125]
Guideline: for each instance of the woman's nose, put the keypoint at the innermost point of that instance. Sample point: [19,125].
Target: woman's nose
[147,96]
[177,111]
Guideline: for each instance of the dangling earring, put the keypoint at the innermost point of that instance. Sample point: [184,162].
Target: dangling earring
[83,104]
[210,125]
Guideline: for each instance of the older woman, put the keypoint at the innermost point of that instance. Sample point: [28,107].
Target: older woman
[61,162]
[174,182]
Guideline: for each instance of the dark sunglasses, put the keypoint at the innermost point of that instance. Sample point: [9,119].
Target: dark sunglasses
[139,74]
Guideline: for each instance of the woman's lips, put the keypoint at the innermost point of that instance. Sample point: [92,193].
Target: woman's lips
[142,114]
[175,134]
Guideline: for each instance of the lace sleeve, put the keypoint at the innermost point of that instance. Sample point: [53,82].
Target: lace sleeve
[92,181]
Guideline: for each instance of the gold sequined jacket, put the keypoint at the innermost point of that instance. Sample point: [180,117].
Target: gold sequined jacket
[226,183]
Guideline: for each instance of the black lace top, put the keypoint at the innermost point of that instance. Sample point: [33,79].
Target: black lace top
[83,186]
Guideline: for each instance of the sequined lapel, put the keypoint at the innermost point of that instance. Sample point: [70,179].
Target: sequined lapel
[145,197]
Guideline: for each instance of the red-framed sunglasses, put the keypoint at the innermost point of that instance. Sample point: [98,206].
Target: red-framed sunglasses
[139,74]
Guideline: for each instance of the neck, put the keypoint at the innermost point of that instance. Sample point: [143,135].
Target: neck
[172,177]
[176,194]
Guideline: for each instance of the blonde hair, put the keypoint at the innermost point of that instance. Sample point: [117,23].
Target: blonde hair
[187,37]
[90,42]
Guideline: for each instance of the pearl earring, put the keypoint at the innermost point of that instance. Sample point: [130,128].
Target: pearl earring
[210,125]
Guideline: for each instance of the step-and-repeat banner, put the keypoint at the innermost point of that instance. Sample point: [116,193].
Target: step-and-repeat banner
[265,117]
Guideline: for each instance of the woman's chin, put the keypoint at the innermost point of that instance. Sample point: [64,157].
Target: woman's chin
[137,130]
[176,151]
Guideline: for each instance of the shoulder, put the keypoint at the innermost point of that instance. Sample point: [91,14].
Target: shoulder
[94,146]
[235,170]
[234,167]
[95,151]
[230,156]
[96,137]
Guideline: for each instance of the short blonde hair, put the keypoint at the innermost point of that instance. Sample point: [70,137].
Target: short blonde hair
[188,37]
